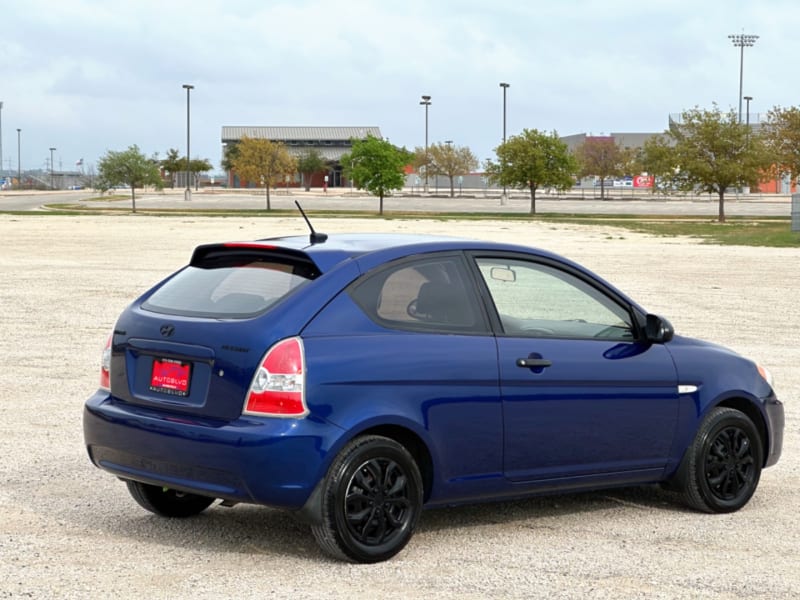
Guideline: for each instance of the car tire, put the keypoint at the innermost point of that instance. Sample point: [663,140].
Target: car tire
[371,501]
[167,502]
[722,467]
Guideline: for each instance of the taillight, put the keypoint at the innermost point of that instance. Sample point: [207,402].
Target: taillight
[278,387]
[105,366]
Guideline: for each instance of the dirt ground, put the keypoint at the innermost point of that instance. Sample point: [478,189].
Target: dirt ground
[68,530]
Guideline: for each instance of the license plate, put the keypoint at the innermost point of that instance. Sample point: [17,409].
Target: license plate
[170,377]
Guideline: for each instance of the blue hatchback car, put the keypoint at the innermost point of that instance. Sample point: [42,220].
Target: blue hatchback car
[358,379]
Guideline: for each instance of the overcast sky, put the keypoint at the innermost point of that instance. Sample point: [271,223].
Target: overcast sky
[88,76]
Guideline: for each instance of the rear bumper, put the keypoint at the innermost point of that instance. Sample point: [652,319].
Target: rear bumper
[775,423]
[275,462]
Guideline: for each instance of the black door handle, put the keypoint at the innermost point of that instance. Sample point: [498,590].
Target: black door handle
[532,363]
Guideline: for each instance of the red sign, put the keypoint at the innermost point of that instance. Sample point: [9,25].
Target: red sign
[170,377]
[643,181]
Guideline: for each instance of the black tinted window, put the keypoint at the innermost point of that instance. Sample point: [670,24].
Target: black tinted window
[432,293]
[228,289]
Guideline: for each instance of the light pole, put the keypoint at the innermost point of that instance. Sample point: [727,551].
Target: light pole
[1,136]
[747,120]
[187,194]
[19,161]
[740,40]
[51,168]
[426,102]
[505,87]
[747,112]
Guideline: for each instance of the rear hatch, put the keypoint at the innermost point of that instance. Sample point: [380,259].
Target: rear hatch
[192,344]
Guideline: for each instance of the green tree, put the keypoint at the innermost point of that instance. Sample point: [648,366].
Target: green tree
[446,160]
[229,155]
[263,161]
[532,160]
[422,161]
[714,152]
[782,136]
[376,166]
[603,158]
[173,164]
[129,167]
[197,166]
[308,163]
[657,158]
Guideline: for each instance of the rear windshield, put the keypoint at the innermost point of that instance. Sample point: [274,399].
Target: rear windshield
[238,287]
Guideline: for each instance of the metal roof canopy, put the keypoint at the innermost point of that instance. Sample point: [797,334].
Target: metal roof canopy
[330,142]
[299,134]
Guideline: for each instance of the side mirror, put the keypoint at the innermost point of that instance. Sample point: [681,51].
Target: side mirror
[658,330]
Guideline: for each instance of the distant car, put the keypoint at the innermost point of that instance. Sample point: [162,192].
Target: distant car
[75,187]
[358,379]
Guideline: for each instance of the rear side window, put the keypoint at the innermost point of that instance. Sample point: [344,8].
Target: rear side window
[433,293]
[230,287]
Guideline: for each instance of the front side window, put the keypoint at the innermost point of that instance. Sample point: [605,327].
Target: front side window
[426,294]
[538,300]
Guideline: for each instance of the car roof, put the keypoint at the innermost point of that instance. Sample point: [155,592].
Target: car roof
[374,249]
[361,243]
[343,246]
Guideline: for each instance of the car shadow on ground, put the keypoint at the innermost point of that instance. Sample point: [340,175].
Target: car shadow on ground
[651,498]
[263,531]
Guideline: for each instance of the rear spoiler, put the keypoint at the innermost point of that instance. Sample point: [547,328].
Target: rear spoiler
[209,254]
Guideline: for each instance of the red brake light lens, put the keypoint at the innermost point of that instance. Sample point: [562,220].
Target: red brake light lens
[105,366]
[278,387]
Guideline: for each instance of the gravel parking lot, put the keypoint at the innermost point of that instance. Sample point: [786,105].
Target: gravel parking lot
[68,530]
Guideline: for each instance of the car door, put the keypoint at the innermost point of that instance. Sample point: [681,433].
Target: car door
[582,396]
[409,345]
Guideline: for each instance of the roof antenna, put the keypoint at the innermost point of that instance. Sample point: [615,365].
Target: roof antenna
[314,238]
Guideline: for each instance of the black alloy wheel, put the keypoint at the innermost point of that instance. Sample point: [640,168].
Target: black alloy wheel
[722,467]
[377,505]
[372,499]
[729,464]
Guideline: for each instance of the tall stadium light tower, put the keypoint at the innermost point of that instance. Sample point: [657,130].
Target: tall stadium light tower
[740,40]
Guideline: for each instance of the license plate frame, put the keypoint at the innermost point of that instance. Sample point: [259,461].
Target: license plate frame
[170,376]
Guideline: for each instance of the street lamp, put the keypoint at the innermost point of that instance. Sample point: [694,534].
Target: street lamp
[1,136]
[187,195]
[505,87]
[426,102]
[19,161]
[51,168]
[740,40]
[747,121]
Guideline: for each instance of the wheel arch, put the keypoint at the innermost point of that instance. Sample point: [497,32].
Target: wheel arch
[311,511]
[752,412]
[415,445]
[743,405]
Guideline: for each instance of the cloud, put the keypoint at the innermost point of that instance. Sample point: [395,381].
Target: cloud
[87,76]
